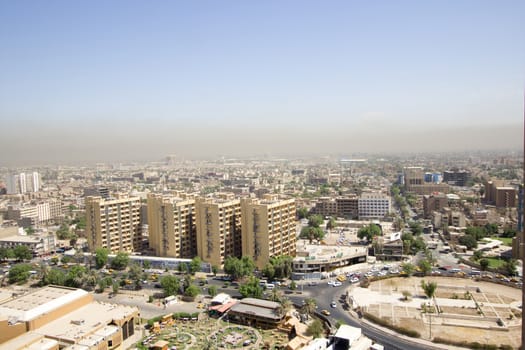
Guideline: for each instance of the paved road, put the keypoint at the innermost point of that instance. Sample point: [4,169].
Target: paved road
[324,295]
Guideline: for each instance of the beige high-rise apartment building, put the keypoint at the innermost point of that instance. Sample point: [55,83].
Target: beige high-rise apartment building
[218,228]
[268,228]
[172,229]
[113,223]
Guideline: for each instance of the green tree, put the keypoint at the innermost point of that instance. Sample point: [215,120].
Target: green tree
[468,241]
[311,233]
[408,268]
[192,291]
[429,288]
[484,264]
[170,285]
[275,295]
[315,220]
[425,266]
[269,271]
[282,265]
[239,268]
[6,253]
[369,232]
[22,253]
[101,257]
[478,254]
[54,276]
[233,267]
[75,276]
[183,267]
[195,265]
[251,288]
[214,269]
[63,232]
[212,290]
[331,223]
[120,261]
[309,306]
[315,328]
[19,273]
[510,267]
[66,259]
[115,287]
[302,213]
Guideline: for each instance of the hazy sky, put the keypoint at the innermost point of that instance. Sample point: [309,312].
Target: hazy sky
[124,80]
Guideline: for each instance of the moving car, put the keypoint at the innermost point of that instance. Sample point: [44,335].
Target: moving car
[333,304]
[325,312]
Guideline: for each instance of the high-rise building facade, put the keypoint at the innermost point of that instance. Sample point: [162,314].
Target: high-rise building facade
[113,224]
[268,228]
[456,177]
[373,205]
[218,223]
[22,183]
[172,226]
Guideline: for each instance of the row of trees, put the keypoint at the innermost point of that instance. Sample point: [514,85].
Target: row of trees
[20,253]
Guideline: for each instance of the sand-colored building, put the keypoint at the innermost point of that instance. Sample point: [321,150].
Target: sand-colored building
[64,318]
[268,228]
[172,225]
[218,223]
[113,223]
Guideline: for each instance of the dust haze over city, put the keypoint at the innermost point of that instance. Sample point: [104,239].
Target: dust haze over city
[123,81]
[299,175]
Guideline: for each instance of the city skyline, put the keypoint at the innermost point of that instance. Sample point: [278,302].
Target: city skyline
[124,81]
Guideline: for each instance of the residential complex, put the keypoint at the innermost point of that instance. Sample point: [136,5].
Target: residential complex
[172,225]
[218,222]
[268,228]
[23,182]
[501,195]
[113,224]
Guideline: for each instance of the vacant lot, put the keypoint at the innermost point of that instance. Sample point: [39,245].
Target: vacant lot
[469,309]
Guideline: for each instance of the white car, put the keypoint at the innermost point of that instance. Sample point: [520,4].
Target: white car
[333,304]
[331,283]
[354,280]
[337,284]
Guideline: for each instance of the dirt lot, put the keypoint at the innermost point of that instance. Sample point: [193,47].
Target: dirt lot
[470,309]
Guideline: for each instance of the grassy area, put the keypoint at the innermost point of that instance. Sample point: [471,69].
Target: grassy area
[505,240]
[495,262]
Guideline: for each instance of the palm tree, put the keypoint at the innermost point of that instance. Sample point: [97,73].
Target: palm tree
[309,306]
[275,295]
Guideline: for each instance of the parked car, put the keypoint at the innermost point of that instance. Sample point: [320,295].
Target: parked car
[325,312]
[337,284]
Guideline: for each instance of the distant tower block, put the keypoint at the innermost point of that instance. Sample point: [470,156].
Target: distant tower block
[170,160]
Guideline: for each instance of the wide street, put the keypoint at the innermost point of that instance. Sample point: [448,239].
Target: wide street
[325,294]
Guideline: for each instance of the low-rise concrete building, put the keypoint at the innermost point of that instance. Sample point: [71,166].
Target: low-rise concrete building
[64,318]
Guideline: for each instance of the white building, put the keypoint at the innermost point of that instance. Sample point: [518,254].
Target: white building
[22,183]
[373,205]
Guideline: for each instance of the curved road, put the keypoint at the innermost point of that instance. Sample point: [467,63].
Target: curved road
[325,294]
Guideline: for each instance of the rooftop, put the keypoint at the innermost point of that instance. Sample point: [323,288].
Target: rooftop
[258,307]
[39,302]
[88,323]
